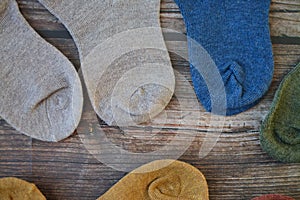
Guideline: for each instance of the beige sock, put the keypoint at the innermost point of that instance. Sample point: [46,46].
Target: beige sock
[160,180]
[40,91]
[125,63]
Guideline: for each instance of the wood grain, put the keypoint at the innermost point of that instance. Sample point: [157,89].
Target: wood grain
[236,168]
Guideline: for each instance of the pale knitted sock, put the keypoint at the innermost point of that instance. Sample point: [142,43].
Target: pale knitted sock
[40,91]
[125,63]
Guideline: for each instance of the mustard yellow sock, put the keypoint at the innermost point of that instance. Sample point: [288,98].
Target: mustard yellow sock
[17,189]
[164,179]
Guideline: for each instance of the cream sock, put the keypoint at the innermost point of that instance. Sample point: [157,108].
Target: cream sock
[125,63]
[40,91]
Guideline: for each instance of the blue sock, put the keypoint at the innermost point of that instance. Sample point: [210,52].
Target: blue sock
[236,36]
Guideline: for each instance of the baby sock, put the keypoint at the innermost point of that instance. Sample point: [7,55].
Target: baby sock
[17,189]
[273,197]
[124,60]
[163,179]
[40,91]
[236,36]
[280,131]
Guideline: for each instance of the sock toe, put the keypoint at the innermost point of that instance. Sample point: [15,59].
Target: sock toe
[56,114]
[239,44]
[239,96]
[127,37]
[288,135]
[233,77]
[167,187]
[280,131]
[41,93]
[63,111]
[148,100]
[135,100]
[161,179]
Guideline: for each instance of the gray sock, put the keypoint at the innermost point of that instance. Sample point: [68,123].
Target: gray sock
[125,63]
[40,91]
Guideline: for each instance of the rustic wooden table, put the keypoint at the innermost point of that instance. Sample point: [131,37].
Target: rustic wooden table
[236,168]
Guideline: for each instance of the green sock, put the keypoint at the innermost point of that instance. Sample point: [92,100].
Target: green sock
[280,132]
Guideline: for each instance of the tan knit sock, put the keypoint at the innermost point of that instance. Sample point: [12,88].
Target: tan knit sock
[125,63]
[40,91]
[160,180]
[17,189]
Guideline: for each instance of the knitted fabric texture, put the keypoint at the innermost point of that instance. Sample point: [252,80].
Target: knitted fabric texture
[236,36]
[124,60]
[273,197]
[40,91]
[280,131]
[17,189]
[163,179]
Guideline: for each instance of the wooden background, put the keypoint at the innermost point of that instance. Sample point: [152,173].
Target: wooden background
[236,168]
